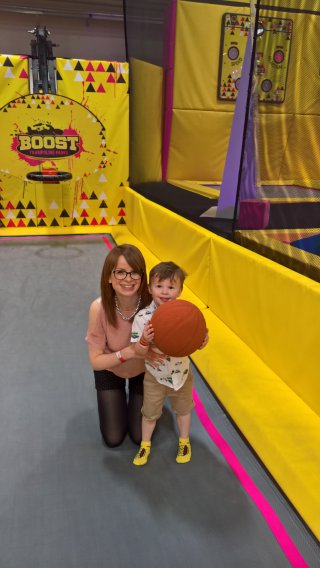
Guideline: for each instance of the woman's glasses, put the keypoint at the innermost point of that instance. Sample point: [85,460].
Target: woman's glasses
[120,274]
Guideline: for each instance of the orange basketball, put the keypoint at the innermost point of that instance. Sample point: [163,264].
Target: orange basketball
[179,328]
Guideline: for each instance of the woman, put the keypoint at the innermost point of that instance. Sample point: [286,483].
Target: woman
[124,292]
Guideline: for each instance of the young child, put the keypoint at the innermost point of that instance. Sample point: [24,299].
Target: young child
[173,377]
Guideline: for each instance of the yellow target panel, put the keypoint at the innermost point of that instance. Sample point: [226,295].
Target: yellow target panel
[272,56]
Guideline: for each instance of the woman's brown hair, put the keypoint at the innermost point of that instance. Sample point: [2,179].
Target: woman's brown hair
[135,259]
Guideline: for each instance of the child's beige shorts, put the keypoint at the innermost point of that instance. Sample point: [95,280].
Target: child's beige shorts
[154,394]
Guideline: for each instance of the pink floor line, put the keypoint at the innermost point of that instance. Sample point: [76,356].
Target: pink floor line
[109,245]
[274,523]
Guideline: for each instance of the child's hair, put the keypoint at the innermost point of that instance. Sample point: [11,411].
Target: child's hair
[165,270]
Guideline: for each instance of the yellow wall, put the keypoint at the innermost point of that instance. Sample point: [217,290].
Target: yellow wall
[145,121]
[289,133]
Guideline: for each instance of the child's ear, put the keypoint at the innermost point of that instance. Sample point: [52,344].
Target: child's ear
[149,288]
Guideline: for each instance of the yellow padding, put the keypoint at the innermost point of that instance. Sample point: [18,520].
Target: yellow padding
[278,128]
[274,310]
[281,428]
[171,237]
[146,121]
[122,235]
[301,159]
[55,231]
[288,160]
[196,57]
[199,143]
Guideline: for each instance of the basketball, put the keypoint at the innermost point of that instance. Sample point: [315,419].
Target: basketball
[179,328]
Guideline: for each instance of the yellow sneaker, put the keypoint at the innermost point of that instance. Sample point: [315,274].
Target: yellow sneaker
[184,451]
[143,454]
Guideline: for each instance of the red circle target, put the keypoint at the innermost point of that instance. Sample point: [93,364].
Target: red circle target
[278,56]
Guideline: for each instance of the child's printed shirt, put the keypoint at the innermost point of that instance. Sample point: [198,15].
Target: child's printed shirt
[173,372]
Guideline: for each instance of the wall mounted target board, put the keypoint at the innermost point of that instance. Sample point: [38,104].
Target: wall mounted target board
[272,56]
[81,132]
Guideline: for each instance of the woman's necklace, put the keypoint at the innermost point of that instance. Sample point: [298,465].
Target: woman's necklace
[126,318]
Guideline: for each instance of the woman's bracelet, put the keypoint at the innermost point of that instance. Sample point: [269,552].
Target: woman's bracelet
[119,357]
[143,343]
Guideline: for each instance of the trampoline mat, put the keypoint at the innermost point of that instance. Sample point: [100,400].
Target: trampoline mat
[190,205]
[185,203]
[287,191]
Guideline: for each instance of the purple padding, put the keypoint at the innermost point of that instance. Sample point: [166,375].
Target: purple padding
[169,35]
[229,186]
[166,141]
[168,93]
[168,64]
[253,214]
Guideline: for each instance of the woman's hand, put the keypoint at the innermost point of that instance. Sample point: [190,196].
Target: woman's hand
[133,351]
[154,358]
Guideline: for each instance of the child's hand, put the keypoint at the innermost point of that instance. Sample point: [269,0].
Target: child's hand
[148,333]
[205,341]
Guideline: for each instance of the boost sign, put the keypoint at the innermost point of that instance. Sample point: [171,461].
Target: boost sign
[50,128]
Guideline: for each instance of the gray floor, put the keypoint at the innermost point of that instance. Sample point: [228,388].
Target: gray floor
[67,501]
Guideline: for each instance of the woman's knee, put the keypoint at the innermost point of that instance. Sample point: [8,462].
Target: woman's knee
[112,439]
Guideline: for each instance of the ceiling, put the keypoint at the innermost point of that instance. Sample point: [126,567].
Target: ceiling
[103,9]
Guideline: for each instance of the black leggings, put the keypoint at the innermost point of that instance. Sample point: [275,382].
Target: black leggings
[117,416]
